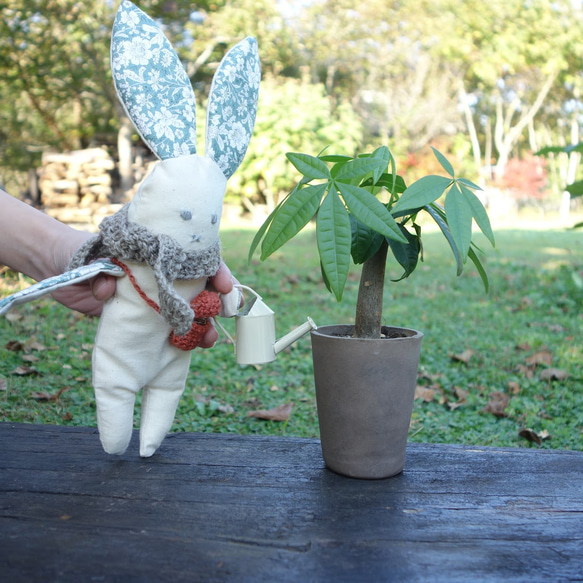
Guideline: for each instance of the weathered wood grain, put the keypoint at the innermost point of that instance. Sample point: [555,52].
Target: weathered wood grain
[235,508]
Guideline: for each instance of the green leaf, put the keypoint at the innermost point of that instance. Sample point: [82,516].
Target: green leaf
[483,275]
[370,211]
[406,255]
[310,166]
[333,235]
[335,158]
[358,169]
[575,189]
[383,153]
[365,241]
[459,218]
[395,185]
[293,215]
[262,230]
[479,213]
[422,192]
[560,149]
[325,278]
[469,183]
[438,216]
[444,162]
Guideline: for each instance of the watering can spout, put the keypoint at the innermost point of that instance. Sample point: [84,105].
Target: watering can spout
[294,335]
[255,332]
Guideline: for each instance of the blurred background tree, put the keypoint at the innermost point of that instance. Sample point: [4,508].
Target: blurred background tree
[487,83]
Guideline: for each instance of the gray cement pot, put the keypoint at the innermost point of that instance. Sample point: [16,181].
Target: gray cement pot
[364,391]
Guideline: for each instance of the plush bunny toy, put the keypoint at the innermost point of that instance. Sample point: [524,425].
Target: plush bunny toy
[167,238]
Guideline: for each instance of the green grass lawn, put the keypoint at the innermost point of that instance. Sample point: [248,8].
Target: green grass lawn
[491,365]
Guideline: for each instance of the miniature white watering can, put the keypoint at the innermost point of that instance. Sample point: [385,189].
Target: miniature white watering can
[255,341]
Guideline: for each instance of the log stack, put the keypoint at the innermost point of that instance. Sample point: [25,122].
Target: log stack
[77,187]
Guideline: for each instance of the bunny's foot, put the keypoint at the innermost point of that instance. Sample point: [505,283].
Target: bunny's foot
[115,417]
[158,409]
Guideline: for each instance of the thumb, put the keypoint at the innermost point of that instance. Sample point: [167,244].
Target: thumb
[103,287]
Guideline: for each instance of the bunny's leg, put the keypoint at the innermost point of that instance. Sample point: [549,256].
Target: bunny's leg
[115,414]
[161,395]
[129,346]
[158,409]
[160,400]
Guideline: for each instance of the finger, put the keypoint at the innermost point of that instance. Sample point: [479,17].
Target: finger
[210,338]
[103,287]
[79,297]
[223,280]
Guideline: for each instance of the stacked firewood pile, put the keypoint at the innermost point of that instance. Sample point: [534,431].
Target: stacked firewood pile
[77,187]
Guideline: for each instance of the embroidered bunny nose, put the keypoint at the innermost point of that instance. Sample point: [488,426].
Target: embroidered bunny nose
[195,239]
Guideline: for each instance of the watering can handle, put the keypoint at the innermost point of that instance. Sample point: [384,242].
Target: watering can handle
[246,308]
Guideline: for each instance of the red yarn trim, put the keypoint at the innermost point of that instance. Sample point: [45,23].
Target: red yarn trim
[205,305]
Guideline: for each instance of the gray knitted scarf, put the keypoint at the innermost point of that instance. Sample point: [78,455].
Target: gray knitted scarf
[124,240]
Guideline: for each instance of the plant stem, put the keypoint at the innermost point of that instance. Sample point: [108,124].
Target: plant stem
[369,306]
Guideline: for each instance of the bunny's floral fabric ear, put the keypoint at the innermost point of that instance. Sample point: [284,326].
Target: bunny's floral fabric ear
[152,84]
[232,106]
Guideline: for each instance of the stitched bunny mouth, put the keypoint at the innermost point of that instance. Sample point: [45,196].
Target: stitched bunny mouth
[195,239]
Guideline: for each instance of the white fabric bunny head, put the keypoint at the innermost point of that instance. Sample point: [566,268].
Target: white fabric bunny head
[167,238]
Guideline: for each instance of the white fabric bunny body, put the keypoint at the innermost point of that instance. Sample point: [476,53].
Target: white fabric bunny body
[168,236]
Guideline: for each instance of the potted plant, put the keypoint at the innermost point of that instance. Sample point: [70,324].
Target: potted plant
[365,373]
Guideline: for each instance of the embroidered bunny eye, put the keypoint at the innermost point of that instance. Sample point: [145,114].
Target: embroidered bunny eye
[214,219]
[186,215]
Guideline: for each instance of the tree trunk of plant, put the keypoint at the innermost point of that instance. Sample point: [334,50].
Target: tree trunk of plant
[369,306]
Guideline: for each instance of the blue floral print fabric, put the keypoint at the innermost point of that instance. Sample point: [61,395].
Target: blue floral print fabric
[157,94]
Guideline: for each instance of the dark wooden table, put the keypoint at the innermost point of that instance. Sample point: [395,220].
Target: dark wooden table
[234,508]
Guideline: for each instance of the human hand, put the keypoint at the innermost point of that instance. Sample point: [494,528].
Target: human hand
[221,282]
[86,297]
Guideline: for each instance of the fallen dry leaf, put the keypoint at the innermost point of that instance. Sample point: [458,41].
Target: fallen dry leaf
[461,394]
[34,345]
[543,357]
[49,397]
[3,384]
[513,387]
[227,409]
[13,316]
[426,394]
[30,358]
[24,370]
[14,346]
[464,357]
[524,346]
[497,404]
[525,371]
[531,436]
[553,374]
[280,413]
[429,376]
